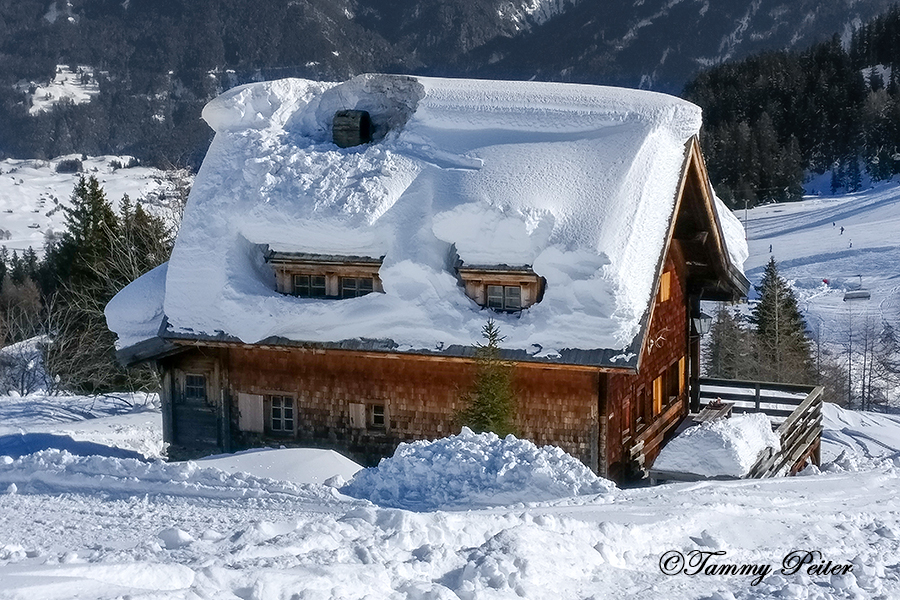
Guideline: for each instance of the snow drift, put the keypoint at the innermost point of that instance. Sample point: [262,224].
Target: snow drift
[56,471]
[723,447]
[472,469]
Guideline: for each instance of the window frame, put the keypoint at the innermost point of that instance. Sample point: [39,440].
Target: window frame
[356,289]
[311,288]
[378,412]
[502,288]
[281,403]
[204,387]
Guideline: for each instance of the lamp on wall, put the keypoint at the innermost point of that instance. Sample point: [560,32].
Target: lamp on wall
[701,323]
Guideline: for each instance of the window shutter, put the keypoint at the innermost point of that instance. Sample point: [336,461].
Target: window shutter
[657,395]
[250,413]
[357,415]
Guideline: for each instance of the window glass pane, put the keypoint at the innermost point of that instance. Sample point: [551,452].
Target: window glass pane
[351,287]
[195,387]
[378,416]
[317,287]
[282,413]
[348,287]
[301,285]
[495,296]
[513,297]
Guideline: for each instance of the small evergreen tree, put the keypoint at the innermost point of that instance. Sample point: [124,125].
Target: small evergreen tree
[491,403]
[782,348]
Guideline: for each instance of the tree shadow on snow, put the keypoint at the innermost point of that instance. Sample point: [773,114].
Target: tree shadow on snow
[20,444]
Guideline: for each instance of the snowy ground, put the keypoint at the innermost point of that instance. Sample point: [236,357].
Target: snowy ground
[78,86]
[107,527]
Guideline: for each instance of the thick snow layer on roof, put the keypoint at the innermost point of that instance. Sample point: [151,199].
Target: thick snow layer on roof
[136,312]
[474,469]
[735,236]
[577,181]
[727,447]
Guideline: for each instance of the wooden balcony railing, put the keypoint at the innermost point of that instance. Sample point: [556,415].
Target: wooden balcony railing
[796,414]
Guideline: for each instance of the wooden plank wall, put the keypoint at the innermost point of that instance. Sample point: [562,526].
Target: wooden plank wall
[629,448]
[420,395]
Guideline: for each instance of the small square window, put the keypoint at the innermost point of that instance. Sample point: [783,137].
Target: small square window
[352,287]
[309,286]
[282,414]
[378,416]
[504,297]
[495,296]
[195,387]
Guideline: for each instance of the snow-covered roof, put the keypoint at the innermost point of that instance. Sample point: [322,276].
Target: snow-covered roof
[577,181]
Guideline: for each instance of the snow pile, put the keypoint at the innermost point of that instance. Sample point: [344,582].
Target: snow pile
[56,471]
[106,424]
[472,469]
[299,465]
[723,447]
[578,181]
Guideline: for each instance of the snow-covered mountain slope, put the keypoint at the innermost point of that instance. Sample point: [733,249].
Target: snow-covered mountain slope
[30,191]
[661,43]
[827,246]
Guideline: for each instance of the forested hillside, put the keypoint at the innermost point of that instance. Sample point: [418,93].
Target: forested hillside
[152,64]
[774,119]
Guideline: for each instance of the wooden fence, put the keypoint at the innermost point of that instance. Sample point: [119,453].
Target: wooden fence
[795,409]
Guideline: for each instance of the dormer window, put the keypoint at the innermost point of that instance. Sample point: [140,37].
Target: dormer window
[324,275]
[501,287]
[504,297]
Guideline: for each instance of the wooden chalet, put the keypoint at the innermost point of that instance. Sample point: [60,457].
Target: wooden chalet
[612,408]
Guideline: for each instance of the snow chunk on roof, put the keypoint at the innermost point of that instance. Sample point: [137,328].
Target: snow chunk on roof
[578,181]
[726,447]
[474,469]
[136,312]
[735,236]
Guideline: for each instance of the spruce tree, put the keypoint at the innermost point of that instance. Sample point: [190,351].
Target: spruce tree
[99,254]
[491,403]
[727,354]
[782,348]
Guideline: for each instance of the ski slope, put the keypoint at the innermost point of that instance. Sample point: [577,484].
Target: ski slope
[807,242]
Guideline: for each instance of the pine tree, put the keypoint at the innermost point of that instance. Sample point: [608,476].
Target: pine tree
[782,348]
[99,254]
[728,352]
[491,403]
